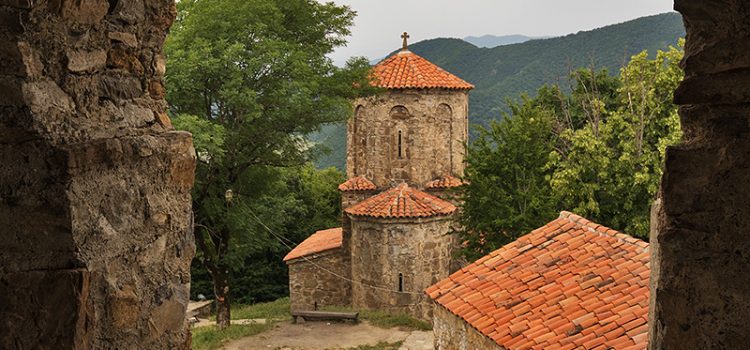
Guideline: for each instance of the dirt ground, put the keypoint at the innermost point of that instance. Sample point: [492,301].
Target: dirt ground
[318,336]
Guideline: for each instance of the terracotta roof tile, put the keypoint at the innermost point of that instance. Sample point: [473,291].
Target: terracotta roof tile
[402,201]
[572,283]
[406,70]
[445,182]
[359,183]
[319,242]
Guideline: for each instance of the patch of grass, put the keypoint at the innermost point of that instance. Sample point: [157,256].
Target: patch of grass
[384,319]
[379,346]
[274,310]
[210,337]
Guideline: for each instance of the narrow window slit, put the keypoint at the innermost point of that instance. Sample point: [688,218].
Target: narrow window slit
[400,149]
[400,282]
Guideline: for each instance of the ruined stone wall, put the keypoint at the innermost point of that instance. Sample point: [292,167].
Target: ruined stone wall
[453,333]
[95,209]
[433,127]
[311,281]
[701,250]
[381,249]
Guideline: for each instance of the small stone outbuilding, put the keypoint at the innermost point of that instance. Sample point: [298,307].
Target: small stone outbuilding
[318,272]
[572,284]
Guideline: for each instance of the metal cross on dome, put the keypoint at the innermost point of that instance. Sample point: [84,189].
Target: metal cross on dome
[405,36]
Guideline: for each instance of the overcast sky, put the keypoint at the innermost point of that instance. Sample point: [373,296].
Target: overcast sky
[379,23]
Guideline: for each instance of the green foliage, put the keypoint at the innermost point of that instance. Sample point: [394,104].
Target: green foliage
[508,71]
[274,310]
[210,337]
[597,151]
[611,168]
[290,202]
[508,193]
[388,320]
[248,78]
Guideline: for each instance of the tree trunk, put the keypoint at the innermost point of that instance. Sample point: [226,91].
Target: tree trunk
[221,290]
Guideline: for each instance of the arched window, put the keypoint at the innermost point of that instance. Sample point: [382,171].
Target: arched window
[400,112]
[400,282]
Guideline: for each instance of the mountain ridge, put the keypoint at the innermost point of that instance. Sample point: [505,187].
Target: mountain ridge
[506,72]
[490,41]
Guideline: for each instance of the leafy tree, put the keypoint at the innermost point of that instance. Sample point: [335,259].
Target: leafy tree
[508,193]
[597,151]
[281,209]
[611,171]
[255,76]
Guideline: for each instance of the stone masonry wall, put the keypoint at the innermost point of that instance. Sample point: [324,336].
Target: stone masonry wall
[95,208]
[420,249]
[701,255]
[310,284]
[434,128]
[453,333]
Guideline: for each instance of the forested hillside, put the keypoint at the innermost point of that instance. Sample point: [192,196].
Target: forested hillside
[506,72]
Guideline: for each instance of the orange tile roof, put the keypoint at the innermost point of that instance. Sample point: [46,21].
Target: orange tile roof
[445,182]
[570,284]
[319,242]
[359,183]
[406,70]
[402,202]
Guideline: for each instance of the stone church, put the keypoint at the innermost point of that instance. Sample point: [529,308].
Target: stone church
[405,151]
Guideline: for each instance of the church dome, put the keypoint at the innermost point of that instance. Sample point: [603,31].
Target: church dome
[407,70]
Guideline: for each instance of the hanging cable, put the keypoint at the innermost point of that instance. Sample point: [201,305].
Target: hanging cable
[281,239]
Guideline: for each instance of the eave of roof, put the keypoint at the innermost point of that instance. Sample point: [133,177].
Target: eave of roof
[402,202]
[319,242]
[358,183]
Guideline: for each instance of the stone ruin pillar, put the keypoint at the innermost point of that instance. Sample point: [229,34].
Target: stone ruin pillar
[95,208]
[701,242]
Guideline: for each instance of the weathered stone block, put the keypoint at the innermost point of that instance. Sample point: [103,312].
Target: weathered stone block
[81,61]
[121,88]
[80,11]
[122,58]
[130,11]
[47,98]
[128,39]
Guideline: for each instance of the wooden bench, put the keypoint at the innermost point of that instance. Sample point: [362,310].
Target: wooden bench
[324,316]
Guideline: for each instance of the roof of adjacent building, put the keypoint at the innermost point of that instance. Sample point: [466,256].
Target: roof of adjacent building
[359,183]
[570,284]
[445,182]
[402,201]
[406,70]
[319,242]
